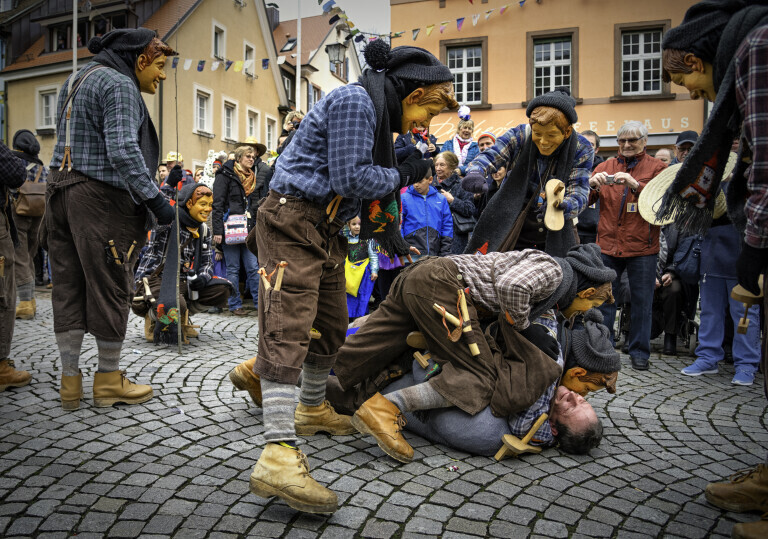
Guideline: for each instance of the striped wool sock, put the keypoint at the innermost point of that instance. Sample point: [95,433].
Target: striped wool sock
[109,355]
[313,380]
[418,397]
[69,343]
[26,292]
[278,405]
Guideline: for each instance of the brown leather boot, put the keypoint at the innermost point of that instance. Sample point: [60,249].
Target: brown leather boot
[284,472]
[746,490]
[112,387]
[244,379]
[188,329]
[71,391]
[383,420]
[10,377]
[751,530]
[149,328]
[25,310]
[310,420]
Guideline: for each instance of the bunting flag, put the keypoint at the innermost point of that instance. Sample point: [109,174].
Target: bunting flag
[472,2]
[228,64]
[359,38]
[475,18]
[334,19]
[429,29]
[521,2]
[502,9]
[175,62]
[187,64]
[201,65]
[214,65]
[265,63]
[443,26]
[238,66]
[415,33]
[328,5]
[397,34]
[319,2]
[488,14]
[459,23]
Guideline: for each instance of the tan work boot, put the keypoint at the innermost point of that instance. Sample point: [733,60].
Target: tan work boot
[149,328]
[25,310]
[10,377]
[751,530]
[383,420]
[244,379]
[187,329]
[746,490]
[71,391]
[284,472]
[310,420]
[112,387]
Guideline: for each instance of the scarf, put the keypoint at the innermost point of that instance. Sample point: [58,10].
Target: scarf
[690,199]
[462,146]
[380,219]
[630,162]
[125,63]
[503,209]
[247,178]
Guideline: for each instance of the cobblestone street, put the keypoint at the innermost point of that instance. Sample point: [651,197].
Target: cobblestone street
[178,465]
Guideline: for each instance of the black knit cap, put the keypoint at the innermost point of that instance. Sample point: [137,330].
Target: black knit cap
[27,146]
[412,66]
[122,40]
[588,267]
[591,346]
[702,27]
[559,98]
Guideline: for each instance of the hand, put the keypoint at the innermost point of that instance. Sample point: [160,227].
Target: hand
[594,182]
[540,337]
[666,279]
[474,182]
[415,251]
[219,256]
[431,148]
[750,266]
[457,171]
[658,284]
[217,239]
[161,208]
[198,282]
[374,276]
[626,179]
[174,177]
[448,196]
[413,169]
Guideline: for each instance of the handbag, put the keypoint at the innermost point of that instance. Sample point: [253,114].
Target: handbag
[687,260]
[30,201]
[235,229]
[354,272]
[463,224]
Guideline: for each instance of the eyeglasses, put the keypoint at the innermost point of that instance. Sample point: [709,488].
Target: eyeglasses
[629,140]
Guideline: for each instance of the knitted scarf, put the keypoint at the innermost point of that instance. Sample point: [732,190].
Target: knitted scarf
[461,147]
[247,178]
[503,209]
[380,219]
[690,199]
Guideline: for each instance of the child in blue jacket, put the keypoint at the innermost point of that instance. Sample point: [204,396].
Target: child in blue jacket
[427,224]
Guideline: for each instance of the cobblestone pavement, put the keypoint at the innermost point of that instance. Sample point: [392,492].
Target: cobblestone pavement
[178,465]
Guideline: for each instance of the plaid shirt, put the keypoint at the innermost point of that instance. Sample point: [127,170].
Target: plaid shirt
[32,169]
[155,252]
[521,423]
[507,148]
[752,97]
[12,169]
[331,154]
[510,282]
[104,132]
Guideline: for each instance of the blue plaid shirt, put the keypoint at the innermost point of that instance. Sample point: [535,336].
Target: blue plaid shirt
[32,169]
[155,253]
[507,148]
[331,154]
[104,132]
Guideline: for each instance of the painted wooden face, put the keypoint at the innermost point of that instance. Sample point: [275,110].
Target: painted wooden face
[201,209]
[150,74]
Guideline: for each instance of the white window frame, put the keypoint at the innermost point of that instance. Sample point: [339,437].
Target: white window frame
[217,26]
[235,105]
[257,133]
[643,59]
[252,70]
[271,141]
[40,91]
[208,131]
[288,87]
[464,72]
[553,64]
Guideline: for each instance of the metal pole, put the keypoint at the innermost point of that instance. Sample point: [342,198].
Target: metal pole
[298,55]
[74,37]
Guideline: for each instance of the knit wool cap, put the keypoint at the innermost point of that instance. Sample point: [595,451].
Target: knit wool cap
[588,267]
[414,67]
[591,346]
[702,27]
[489,135]
[26,146]
[563,294]
[559,98]
[122,40]
[186,193]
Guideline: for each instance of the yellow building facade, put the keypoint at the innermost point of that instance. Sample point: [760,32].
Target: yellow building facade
[607,51]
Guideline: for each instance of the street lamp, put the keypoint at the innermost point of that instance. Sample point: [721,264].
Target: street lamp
[336,52]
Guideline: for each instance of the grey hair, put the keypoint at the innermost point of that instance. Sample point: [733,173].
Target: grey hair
[634,128]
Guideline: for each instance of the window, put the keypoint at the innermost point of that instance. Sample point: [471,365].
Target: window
[641,62]
[252,125]
[105,23]
[271,132]
[289,45]
[219,41]
[229,120]
[203,111]
[60,36]
[466,64]
[46,107]
[551,65]
[313,95]
[288,85]
[249,54]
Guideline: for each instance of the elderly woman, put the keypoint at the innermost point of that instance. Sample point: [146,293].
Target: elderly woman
[461,202]
[235,192]
[462,145]
[626,240]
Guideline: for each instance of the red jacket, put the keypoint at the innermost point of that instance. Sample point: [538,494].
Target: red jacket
[621,231]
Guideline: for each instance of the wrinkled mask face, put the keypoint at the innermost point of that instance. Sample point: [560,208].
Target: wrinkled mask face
[150,74]
[547,138]
[201,209]
[571,381]
[417,117]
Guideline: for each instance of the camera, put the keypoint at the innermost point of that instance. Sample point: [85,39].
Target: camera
[609,180]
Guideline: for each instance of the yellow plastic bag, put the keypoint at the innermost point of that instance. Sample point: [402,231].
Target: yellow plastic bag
[353,272]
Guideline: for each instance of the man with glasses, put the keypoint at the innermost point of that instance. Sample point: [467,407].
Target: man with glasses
[627,241]
[683,145]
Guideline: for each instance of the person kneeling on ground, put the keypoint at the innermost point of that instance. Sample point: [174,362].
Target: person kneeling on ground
[199,289]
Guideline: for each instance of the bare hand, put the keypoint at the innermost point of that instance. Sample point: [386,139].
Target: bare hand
[658,284]
[626,179]
[219,256]
[457,171]
[448,196]
[431,147]
[597,180]
[415,251]
[374,276]
[666,279]
[217,239]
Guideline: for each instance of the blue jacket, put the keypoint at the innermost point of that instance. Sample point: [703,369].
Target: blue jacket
[719,251]
[405,145]
[427,223]
[472,152]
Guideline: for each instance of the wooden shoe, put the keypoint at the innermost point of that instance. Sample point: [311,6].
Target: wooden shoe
[310,420]
[113,387]
[244,379]
[383,420]
[71,391]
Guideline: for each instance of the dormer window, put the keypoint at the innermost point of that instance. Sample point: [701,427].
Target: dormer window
[289,45]
[60,35]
